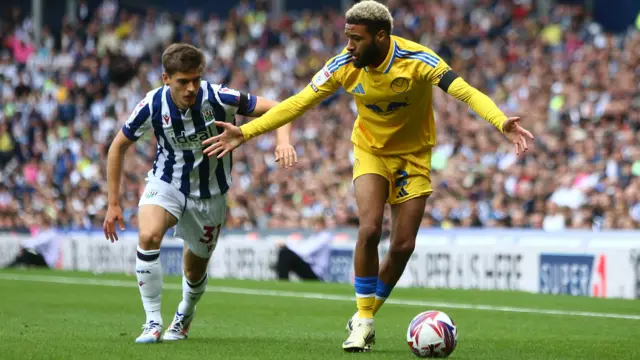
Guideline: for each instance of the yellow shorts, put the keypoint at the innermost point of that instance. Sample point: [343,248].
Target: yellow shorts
[409,175]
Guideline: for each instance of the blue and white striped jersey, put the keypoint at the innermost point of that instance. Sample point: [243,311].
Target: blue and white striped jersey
[179,158]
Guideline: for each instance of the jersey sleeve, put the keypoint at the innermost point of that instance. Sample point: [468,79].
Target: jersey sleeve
[435,69]
[329,79]
[139,121]
[233,101]
[324,83]
[442,76]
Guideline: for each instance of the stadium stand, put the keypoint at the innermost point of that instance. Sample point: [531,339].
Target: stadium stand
[576,87]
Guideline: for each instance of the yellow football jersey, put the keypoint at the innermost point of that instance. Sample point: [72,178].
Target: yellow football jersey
[394,100]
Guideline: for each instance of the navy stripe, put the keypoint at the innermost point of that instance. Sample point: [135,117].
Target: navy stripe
[198,283]
[231,153]
[253,100]
[156,122]
[220,115]
[187,155]
[167,172]
[155,163]
[147,258]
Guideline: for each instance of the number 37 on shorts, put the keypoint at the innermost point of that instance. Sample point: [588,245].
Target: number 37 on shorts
[210,237]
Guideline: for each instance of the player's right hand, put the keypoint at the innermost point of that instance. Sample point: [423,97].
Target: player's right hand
[114,216]
[222,144]
[286,155]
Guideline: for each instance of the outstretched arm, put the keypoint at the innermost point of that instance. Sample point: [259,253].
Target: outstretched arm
[323,84]
[284,113]
[488,110]
[447,79]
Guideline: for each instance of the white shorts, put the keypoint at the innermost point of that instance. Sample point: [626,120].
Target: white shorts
[199,220]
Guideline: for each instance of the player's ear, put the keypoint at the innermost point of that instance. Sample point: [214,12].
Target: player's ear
[165,78]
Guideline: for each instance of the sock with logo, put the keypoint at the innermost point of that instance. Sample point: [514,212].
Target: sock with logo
[149,274]
[382,293]
[191,294]
[365,295]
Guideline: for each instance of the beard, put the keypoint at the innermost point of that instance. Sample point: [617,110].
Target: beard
[369,55]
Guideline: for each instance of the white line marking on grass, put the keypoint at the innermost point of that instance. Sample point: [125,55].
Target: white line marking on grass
[319,296]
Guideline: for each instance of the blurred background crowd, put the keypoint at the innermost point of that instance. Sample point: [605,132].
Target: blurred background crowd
[575,85]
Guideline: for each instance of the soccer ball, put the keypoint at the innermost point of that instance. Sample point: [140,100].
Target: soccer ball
[432,334]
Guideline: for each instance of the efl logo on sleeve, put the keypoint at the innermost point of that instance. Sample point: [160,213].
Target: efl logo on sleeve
[321,77]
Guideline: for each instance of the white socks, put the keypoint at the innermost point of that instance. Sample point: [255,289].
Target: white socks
[149,274]
[191,294]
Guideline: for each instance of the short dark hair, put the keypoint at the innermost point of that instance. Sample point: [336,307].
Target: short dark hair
[181,57]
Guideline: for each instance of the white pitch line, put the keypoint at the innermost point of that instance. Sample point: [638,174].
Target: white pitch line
[319,296]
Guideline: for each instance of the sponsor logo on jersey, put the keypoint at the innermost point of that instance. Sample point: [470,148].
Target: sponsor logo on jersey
[192,141]
[387,107]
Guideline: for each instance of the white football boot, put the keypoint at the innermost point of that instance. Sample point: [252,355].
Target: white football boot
[349,328]
[151,332]
[361,335]
[179,328]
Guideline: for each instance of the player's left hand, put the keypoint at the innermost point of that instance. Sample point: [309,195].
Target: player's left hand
[286,155]
[222,144]
[516,134]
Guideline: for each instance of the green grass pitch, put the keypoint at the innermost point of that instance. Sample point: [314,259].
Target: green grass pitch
[65,315]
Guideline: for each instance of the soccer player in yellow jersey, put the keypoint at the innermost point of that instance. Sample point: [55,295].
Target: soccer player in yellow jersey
[391,80]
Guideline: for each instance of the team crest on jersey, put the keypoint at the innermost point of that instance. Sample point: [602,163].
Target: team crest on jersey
[207,112]
[400,85]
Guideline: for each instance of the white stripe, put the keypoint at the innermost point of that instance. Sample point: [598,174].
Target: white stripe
[421,53]
[418,57]
[364,296]
[426,57]
[319,296]
[338,59]
[337,65]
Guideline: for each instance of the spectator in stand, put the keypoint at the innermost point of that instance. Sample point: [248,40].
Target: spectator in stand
[576,86]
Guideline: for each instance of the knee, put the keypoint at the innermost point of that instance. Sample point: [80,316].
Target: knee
[149,240]
[370,234]
[402,247]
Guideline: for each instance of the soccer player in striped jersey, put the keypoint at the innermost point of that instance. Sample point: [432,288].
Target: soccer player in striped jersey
[391,80]
[184,187]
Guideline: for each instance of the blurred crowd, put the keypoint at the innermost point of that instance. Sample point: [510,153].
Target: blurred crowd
[575,87]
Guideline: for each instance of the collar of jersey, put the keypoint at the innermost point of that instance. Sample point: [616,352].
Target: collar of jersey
[388,61]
